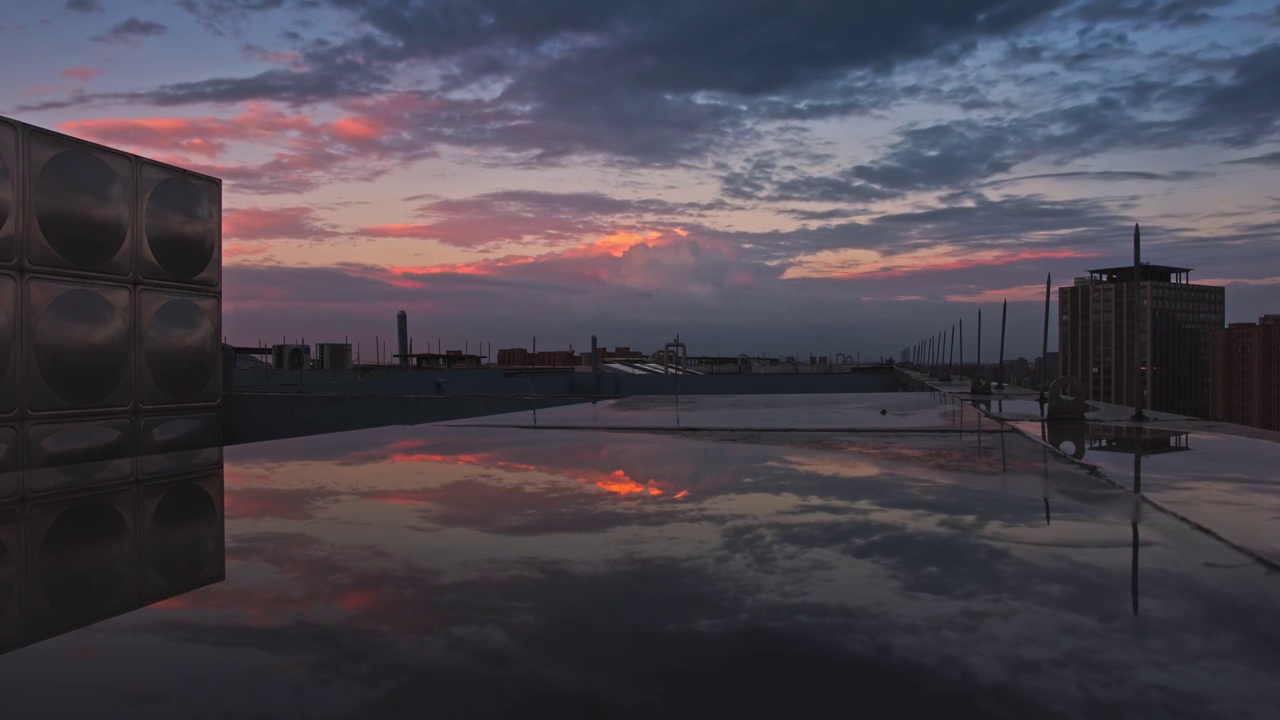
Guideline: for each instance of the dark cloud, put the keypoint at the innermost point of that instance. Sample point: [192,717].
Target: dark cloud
[678,47]
[84,7]
[1268,159]
[1173,13]
[131,32]
[665,82]
[219,17]
[1103,175]
[651,81]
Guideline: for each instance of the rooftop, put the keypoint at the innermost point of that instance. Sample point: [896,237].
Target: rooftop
[711,556]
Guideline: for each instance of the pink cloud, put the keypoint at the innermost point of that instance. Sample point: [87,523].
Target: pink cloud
[82,74]
[301,152]
[286,223]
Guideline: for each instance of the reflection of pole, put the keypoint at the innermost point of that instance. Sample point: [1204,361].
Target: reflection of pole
[1004,461]
[1137,467]
[1044,485]
[1133,568]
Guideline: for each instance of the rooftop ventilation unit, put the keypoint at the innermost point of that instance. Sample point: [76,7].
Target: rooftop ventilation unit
[333,356]
[290,357]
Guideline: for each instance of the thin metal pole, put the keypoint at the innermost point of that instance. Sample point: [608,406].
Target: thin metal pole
[952,360]
[1044,345]
[961,346]
[1004,316]
[979,370]
[1136,335]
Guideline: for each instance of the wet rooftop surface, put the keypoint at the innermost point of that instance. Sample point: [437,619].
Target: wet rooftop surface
[939,566]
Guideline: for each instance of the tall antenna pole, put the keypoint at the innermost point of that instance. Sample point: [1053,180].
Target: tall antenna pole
[1136,335]
[1004,316]
[952,360]
[1044,344]
[979,370]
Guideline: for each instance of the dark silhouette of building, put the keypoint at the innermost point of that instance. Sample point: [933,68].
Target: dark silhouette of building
[450,359]
[1245,373]
[1047,366]
[520,357]
[619,353]
[1174,319]
[513,357]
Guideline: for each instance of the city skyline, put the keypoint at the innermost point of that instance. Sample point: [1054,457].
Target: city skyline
[630,171]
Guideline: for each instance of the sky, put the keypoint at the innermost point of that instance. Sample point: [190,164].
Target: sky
[759,176]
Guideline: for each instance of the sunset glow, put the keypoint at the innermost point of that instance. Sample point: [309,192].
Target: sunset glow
[610,177]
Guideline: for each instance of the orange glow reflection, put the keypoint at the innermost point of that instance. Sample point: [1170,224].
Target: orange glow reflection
[615,481]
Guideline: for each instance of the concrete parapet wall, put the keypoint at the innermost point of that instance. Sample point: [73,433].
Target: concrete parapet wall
[258,416]
[487,381]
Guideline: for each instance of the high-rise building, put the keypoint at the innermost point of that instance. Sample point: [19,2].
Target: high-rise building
[1245,373]
[1174,319]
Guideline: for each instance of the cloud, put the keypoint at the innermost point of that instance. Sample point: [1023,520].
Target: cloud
[1269,159]
[286,223]
[301,153]
[82,74]
[83,7]
[653,82]
[534,217]
[222,17]
[131,32]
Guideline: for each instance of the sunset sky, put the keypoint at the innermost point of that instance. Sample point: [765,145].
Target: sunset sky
[811,176]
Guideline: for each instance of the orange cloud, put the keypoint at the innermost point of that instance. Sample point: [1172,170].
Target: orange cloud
[617,244]
[358,128]
[867,264]
[231,250]
[1024,293]
[258,123]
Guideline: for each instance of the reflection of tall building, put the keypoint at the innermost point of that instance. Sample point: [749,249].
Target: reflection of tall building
[1174,319]
[72,560]
[1245,373]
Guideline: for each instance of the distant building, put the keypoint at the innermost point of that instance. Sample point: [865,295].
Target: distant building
[555,358]
[619,353]
[450,359]
[520,357]
[1174,319]
[1244,373]
[1053,372]
[513,357]
[1020,370]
